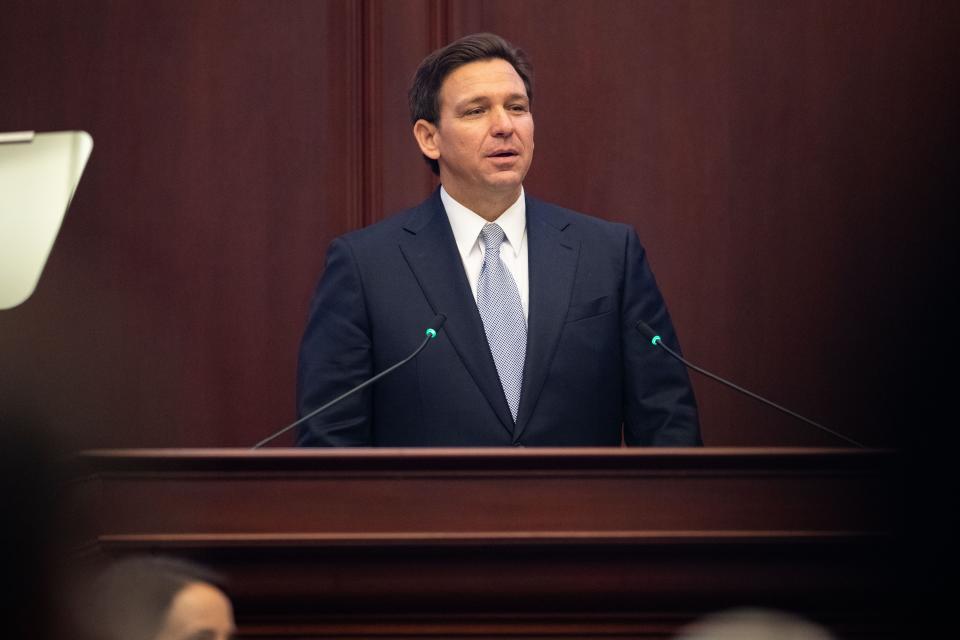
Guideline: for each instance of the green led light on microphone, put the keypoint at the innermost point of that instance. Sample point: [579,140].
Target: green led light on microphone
[431,332]
[655,340]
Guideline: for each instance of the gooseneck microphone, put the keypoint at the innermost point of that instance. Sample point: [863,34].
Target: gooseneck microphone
[431,333]
[648,331]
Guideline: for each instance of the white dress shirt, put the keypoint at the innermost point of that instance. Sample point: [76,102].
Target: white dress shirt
[466,227]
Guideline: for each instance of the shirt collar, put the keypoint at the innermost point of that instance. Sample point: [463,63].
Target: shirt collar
[466,224]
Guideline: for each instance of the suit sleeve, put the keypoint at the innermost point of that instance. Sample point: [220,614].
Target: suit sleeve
[659,406]
[335,356]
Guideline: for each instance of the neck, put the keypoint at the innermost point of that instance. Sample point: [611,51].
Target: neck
[488,206]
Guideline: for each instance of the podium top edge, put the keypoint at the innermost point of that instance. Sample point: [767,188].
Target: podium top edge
[476,452]
[688,461]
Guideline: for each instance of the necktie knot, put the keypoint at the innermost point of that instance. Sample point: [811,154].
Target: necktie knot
[492,236]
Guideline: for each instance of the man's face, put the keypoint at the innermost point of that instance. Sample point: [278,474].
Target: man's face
[199,612]
[484,140]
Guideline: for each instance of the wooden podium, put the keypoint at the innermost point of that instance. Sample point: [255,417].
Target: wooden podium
[572,543]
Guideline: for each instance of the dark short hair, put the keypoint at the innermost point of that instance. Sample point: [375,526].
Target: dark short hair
[424,94]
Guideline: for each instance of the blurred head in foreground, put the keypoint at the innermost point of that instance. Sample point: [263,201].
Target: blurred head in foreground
[151,598]
[753,624]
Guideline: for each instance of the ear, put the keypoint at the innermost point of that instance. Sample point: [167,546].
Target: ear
[426,135]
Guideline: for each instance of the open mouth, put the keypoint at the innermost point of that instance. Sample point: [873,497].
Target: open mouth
[503,154]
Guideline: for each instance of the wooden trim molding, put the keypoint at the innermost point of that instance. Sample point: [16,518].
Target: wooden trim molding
[319,543]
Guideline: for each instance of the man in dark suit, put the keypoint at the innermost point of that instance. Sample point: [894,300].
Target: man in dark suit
[539,347]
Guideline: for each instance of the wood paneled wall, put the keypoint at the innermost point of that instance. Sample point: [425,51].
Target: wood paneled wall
[788,166]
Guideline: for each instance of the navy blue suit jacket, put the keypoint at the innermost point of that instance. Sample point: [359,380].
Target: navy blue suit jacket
[588,373]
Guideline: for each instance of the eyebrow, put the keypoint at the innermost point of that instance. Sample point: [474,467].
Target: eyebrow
[484,98]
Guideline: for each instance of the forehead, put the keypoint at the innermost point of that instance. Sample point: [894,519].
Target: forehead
[199,606]
[481,78]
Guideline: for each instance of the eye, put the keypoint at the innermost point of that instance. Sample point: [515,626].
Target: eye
[474,112]
[519,108]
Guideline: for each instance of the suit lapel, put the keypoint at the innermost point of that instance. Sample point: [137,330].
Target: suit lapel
[431,251]
[552,259]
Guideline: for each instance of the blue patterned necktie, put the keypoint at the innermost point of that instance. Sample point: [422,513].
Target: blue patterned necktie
[498,300]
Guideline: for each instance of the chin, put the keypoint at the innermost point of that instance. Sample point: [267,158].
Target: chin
[506,180]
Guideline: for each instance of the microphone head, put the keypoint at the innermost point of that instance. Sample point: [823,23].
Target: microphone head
[435,325]
[648,331]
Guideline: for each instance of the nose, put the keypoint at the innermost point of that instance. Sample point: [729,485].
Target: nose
[502,126]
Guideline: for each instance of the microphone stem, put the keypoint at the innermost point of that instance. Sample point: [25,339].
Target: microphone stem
[351,391]
[755,396]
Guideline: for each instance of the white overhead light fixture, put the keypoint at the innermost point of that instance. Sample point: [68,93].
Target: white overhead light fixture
[39,173]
